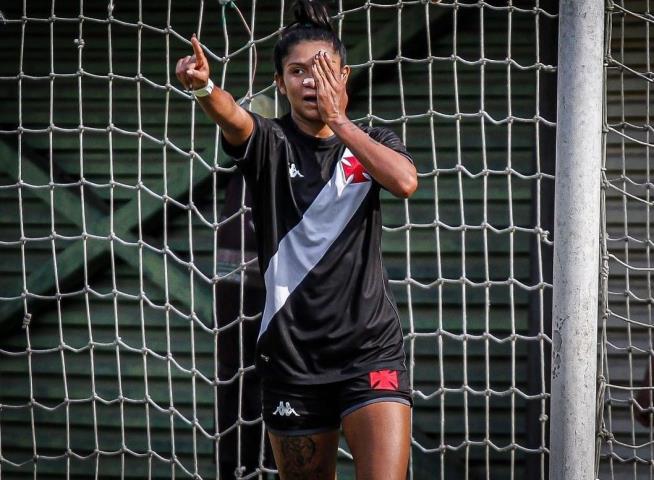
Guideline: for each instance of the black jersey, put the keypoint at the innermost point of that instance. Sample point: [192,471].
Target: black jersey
[329,313]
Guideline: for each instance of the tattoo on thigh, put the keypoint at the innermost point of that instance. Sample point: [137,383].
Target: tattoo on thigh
[298,453]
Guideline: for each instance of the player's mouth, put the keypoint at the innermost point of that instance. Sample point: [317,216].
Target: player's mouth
[311,99]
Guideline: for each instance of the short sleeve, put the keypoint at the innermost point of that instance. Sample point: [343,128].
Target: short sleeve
[389,139]
[251,156]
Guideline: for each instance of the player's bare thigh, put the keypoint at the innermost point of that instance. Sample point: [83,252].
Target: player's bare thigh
[379,436]
[306,457]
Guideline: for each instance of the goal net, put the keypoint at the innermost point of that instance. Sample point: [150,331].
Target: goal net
[128,284]
[625,435]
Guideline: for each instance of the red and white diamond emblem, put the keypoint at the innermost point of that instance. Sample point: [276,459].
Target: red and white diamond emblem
[352,169]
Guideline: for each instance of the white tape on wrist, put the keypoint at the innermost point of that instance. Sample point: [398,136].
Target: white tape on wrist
[204,91]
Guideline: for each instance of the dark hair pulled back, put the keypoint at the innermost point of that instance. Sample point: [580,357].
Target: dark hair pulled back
[312,23]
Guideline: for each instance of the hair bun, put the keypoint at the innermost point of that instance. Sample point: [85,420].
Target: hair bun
[313,13]
[312,24]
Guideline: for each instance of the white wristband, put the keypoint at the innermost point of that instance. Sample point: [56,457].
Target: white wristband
[204,91]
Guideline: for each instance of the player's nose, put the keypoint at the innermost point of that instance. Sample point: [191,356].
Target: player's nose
[309,82]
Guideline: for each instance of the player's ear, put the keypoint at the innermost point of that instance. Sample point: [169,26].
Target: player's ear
[345,72]
[279,80]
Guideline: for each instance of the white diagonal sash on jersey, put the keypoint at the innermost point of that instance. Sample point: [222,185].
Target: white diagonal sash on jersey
[306,244]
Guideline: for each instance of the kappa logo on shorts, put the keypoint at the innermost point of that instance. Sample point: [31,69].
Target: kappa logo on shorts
[384,380]
[285,410]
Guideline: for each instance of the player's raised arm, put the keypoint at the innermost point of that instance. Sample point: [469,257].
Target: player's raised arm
[193,73]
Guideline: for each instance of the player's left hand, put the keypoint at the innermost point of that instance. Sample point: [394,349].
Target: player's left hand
[330,88]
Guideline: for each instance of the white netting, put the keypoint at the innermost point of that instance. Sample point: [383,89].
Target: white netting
[113,231]
[626,442]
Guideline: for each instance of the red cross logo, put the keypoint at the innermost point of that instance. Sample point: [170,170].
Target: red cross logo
[384,380]
[352,168]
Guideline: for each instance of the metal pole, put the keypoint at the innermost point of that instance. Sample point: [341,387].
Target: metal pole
[576,239]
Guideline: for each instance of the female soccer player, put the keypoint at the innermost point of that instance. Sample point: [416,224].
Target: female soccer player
[330,348]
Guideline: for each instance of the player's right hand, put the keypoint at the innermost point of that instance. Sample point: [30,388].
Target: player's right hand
[193,70]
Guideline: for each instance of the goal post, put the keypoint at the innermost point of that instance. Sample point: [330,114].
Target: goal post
[576,239]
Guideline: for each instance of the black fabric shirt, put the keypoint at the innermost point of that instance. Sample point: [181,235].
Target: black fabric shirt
[329,312]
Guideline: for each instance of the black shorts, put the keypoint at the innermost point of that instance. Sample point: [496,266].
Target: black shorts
[290,409]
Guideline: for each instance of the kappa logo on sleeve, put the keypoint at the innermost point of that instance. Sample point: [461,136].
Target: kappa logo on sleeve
[353,171]
[384,380]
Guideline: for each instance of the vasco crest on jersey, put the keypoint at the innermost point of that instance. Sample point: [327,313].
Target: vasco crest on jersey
[353,170]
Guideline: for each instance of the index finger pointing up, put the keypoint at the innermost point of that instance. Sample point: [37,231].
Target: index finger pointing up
[197,49]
